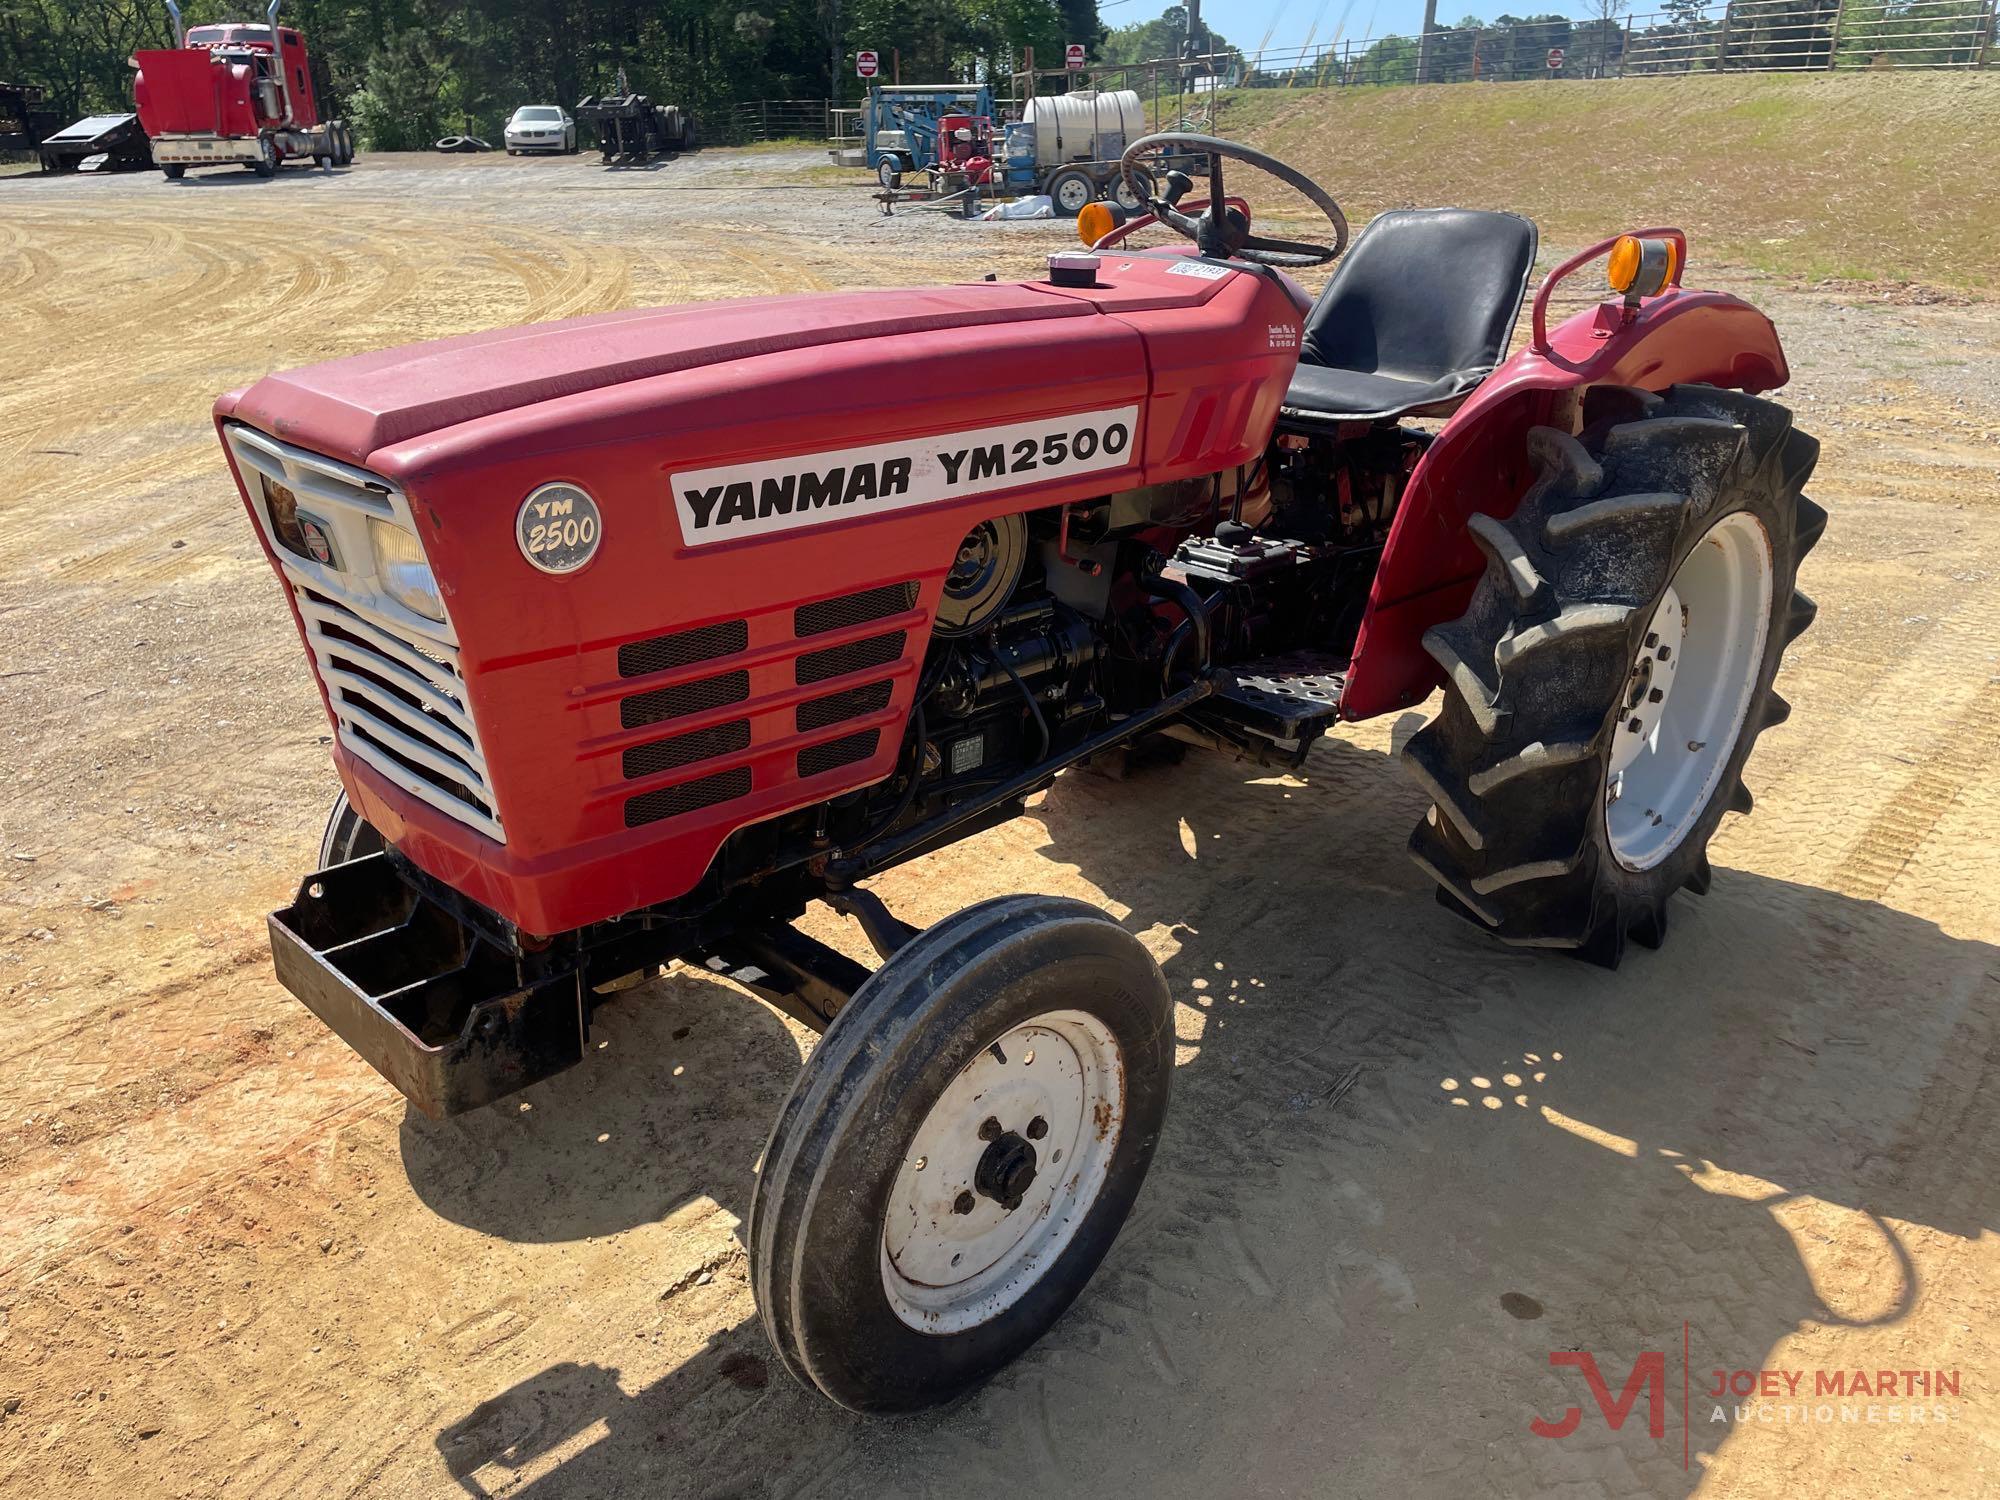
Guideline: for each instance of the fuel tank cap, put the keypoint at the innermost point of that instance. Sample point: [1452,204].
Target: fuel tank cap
[1072,268]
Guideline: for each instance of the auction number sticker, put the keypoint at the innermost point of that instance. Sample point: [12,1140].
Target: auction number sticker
[789,494]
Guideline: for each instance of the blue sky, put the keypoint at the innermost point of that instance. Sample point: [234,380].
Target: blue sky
[1244,22]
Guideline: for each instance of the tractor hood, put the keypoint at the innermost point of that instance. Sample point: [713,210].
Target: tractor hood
[351,408]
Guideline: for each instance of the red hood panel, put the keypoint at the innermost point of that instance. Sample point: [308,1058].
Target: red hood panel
[349,408]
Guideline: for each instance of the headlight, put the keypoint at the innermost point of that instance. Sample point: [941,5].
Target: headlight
[404,570]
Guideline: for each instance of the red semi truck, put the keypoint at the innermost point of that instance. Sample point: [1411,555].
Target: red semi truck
[234,93]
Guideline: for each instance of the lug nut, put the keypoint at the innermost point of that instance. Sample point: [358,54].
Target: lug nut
[1652,639]
[1665,652]
[1037,1128]
[1637,724]
[964,1203]
[1656,695]
[989,1129]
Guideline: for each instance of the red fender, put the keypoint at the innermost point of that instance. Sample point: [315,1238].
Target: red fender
[1479,462]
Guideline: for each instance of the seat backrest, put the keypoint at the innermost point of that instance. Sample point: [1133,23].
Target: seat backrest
[1424,293]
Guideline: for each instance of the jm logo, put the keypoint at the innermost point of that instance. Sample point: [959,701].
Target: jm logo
[1649,1374]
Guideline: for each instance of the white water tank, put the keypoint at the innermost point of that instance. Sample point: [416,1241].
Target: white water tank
[1089,125]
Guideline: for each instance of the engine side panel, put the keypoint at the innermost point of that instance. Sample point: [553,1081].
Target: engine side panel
[785,649]
[1479,463]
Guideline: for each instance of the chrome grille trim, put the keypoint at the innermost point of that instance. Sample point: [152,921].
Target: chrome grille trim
[393,677]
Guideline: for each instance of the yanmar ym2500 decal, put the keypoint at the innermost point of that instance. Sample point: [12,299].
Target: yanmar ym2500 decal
[785,494]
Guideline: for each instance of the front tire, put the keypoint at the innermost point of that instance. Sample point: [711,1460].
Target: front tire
[174,171]
[266,164]
[348,836]
[1579,766]
[960,1151]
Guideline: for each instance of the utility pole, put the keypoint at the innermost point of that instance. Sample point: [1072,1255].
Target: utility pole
[1426,43]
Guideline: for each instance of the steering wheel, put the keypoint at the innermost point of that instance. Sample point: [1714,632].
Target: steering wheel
[1220,231]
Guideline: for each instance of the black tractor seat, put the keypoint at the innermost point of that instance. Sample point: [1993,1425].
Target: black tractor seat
[1418,312]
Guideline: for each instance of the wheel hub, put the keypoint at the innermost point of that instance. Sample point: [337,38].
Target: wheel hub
[1649,682]
[1006,1171]
[1004,1167]
[1688,692]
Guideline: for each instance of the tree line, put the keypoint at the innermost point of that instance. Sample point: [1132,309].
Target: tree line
[405,72]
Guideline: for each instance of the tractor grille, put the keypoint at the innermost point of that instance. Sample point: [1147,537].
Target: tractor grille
[689,796]
[853,609]
[834,754]
[838,708]
[723,645]
[683,648]
[855,656]
[394,679]
[683,699]
[686,749]
[400,705]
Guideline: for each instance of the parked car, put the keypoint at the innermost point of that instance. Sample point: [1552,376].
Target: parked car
[541,127]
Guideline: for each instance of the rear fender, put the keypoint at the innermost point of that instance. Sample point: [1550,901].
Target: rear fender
[1479,461]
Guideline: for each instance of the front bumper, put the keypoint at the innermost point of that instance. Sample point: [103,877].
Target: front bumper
[198,150]
[448,1016]
[536,143]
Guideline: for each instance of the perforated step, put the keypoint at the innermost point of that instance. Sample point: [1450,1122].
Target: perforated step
[1284,697]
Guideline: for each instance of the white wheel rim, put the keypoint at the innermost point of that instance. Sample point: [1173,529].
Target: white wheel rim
[1688,691]
[954,1255]
[1072,195]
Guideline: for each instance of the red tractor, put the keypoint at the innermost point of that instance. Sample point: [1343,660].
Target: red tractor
[640,632]
[237,94]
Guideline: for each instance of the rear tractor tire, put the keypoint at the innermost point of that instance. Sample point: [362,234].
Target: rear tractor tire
[1614,670]
[960,1151]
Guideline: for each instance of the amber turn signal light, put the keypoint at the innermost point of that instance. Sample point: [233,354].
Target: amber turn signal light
[1639,268]
[1094,222]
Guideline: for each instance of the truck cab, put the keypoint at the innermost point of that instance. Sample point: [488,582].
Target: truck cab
[236,93]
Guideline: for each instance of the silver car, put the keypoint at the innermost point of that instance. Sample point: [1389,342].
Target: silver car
[541,127]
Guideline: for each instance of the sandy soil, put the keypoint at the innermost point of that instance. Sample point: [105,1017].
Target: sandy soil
[1404,1166]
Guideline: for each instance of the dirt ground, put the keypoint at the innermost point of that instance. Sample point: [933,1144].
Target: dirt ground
[1404,1167]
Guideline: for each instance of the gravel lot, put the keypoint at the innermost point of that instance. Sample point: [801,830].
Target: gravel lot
[1403,1168]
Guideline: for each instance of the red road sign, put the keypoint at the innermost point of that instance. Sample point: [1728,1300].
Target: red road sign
[1555,58]
[1073,57]
[866,64]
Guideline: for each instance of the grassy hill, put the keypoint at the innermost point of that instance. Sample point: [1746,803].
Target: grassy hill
[1867,176]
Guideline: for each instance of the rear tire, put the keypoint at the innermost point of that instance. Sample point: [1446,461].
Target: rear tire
[960,1151]
[175,171]
[348,836]
[1563,697]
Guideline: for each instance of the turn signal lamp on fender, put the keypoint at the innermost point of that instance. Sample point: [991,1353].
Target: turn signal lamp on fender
[1639,267]
[1095,221]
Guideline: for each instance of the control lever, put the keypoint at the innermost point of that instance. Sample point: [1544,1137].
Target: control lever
[1179,185]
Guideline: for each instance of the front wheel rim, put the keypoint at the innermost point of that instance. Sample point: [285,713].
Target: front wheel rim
[1688,692]
[1002,1172]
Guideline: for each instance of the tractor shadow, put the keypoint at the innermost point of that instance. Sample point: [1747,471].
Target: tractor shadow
[1404,1167]
[671,1106]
